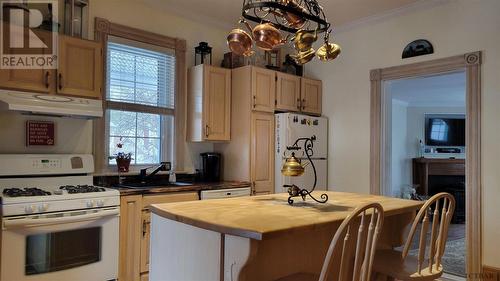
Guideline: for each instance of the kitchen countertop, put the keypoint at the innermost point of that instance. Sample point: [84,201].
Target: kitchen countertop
[196,186]
[262,217]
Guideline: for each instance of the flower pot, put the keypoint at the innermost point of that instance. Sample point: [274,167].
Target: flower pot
[123,164]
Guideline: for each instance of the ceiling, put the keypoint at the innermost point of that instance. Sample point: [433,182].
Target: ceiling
[227,12]
[446,90]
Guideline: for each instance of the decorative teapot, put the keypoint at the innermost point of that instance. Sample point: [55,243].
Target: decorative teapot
[304,39]
[293,167]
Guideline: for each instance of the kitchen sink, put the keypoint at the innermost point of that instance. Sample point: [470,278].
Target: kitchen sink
[154,184]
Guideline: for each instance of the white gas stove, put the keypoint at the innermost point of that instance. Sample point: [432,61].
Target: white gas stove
[52,198]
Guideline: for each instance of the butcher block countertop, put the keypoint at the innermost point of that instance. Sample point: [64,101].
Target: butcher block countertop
[183,188]
[269,216]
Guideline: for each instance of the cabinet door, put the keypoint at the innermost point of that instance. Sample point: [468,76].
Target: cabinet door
[311,91]
[287,92]
[130,237]
[80,68]
[217,103]
[262,152]
[36,80]
[263,89]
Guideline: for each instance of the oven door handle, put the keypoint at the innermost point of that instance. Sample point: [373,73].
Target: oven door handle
[34,221]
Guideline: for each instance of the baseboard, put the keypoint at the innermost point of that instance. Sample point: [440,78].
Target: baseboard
[490,273]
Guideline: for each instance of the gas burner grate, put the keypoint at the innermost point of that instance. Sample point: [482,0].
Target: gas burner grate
[81,188]
[27,191]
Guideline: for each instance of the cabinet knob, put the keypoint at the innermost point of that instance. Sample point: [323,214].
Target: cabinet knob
[303,104]
[47,81]
[254,101]
[207,128]
[59,82]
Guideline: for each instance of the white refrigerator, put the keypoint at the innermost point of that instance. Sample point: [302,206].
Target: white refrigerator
[290,127]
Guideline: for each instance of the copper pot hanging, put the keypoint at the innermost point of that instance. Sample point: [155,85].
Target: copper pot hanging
[291,18]
[267,37]
[239,41]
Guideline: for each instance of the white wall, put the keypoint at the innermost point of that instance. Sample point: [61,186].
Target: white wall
[71,135]
[455,27]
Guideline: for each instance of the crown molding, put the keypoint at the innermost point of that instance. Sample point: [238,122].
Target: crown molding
[380,17]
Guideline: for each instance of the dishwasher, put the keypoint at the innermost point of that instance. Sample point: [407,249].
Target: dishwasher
[224,193]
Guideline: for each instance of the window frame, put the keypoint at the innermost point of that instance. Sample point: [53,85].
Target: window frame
[104,29]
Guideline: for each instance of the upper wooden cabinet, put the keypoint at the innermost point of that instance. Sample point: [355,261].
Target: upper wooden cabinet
[35,80]
[287,92]
[249,156]
[311,95]
[80,67]
[263,83]
[209,103]
[79,71]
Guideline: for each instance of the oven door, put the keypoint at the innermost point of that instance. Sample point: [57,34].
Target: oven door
[73,245]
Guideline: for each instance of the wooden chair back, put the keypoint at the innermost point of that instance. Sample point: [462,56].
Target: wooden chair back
[439,208]
[368,219]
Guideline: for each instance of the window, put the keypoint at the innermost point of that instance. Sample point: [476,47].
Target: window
[439,130]
[140,100]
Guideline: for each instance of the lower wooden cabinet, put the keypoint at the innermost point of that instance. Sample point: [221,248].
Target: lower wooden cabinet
[135,222]
[130,237]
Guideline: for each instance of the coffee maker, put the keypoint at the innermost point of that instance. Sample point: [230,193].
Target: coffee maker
[211,166]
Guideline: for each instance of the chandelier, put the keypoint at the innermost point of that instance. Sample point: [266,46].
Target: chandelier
[302,22]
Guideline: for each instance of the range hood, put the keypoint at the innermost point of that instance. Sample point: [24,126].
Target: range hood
[51,105]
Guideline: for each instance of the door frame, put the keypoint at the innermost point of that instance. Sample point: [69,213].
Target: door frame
[471,62]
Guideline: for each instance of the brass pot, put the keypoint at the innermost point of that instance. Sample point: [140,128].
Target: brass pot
[293,167]
[329,51]
[267,37]
[304,57]
[303,39]
[239,41]
[292,19]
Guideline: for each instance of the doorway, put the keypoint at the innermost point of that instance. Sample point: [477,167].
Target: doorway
[423,129]
[471,63]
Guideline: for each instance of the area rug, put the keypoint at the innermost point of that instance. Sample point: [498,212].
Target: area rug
[453,258]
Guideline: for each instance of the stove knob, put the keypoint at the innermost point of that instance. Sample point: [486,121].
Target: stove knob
[43,208]
[29,209]
[100,203]
[90,203]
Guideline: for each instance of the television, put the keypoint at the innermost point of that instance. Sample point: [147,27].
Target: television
[446,130]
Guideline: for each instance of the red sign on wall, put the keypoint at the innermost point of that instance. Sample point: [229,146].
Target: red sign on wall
[40,133]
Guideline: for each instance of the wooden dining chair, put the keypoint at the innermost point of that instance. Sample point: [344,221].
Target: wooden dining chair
[364,225]
[436,212]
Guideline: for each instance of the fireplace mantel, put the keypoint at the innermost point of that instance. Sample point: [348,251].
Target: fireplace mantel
[425,167]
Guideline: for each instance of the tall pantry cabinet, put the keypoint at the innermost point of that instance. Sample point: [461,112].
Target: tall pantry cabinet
[250,154]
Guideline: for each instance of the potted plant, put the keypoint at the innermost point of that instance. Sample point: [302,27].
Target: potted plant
[122,159]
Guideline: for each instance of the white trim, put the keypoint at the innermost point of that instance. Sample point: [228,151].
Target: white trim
[380,17]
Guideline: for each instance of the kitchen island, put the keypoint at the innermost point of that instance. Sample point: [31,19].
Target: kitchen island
[260,237]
